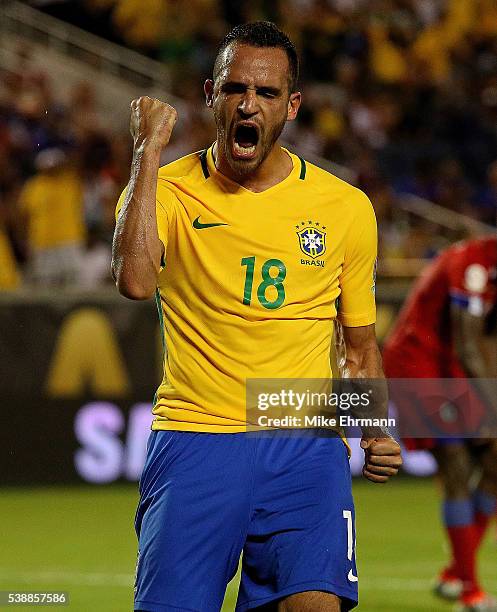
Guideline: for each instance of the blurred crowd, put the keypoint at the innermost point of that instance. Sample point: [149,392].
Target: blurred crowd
[60,176]
[401,92]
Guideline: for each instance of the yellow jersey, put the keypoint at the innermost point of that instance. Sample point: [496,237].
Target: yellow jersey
[54,206]
[249,284]
[9,274]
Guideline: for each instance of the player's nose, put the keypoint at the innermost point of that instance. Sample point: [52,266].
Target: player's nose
[248,104]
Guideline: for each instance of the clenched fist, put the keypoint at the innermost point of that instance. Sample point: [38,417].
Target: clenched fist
[382,458]
[152,122]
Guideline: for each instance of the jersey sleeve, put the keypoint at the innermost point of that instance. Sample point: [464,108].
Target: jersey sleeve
[358,277]
[162,211]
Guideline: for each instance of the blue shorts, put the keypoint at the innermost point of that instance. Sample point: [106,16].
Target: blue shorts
[283,498]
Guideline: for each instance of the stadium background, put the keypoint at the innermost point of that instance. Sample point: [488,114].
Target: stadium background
[400,98]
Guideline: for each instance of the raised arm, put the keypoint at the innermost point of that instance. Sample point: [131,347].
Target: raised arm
[137,250]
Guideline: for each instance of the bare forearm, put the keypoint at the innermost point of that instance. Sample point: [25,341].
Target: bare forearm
[357,352]
[369,368]
[363,365]
[137,250]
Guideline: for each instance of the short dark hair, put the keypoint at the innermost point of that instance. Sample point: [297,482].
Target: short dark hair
[262,34]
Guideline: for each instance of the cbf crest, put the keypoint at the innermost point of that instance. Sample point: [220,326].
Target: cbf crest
[312,239]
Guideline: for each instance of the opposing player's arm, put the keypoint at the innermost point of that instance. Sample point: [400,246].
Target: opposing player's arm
[137,250]
[468,323]
[468,330]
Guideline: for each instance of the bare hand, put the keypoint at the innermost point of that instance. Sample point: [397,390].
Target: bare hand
[152,122]
[382,458]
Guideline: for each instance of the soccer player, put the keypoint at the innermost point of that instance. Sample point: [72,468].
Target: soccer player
[440,333]
[246,247]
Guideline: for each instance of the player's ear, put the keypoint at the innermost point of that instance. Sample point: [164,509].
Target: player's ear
[209,92]
[293,105]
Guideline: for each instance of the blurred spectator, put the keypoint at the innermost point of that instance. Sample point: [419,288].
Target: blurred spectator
[101,182]
[95,261]
[9,271]
[83,111]
[9,274]
[452,188]
[52,204]
[487,196]
[60,174]
[140,23]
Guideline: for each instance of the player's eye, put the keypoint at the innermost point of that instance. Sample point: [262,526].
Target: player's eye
[233,88]
[267,93]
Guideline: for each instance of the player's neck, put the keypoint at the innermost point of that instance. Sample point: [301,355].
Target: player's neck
[274,169]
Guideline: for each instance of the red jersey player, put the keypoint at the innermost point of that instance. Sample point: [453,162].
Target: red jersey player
[438,334]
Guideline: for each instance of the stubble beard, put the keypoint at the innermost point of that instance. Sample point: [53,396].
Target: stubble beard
[244,168]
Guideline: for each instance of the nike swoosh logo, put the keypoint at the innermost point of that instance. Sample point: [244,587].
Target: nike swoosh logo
[351,577]
[198,225]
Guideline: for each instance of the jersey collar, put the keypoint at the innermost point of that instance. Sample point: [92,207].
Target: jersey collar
[209,170]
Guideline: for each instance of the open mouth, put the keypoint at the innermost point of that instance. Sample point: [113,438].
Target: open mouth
[245,141]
